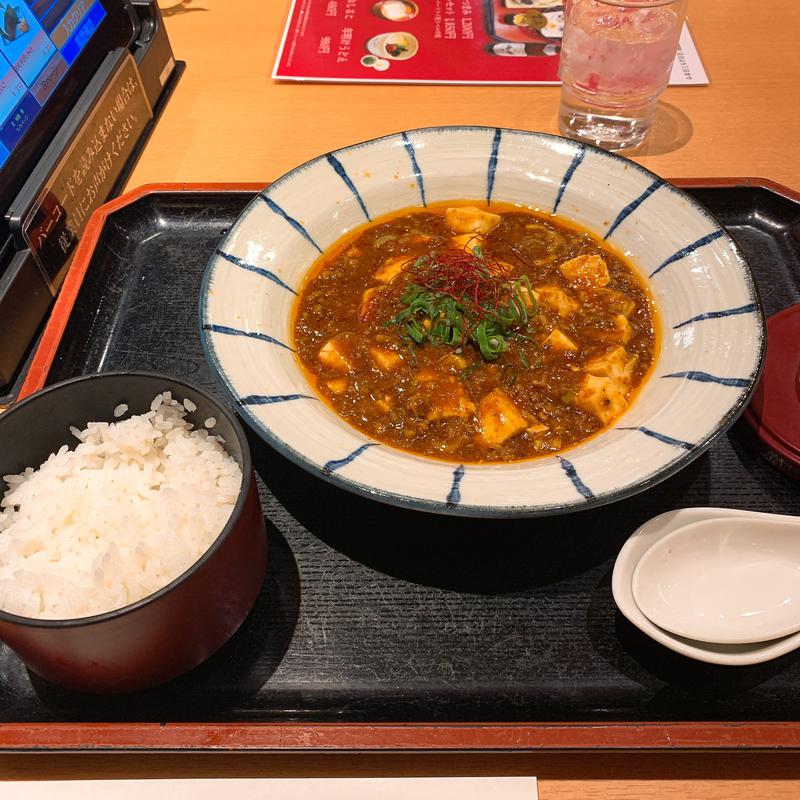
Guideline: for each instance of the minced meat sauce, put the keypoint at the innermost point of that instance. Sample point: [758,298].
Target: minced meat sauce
[474,333]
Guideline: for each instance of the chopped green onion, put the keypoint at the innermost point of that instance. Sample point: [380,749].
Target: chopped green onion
[489,313]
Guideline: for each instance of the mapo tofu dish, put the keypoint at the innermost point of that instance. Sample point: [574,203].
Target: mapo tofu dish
[473,334]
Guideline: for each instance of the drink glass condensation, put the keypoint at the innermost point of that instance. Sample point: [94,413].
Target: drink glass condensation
[616,58]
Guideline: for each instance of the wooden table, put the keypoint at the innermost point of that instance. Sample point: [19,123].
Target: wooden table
[229,122]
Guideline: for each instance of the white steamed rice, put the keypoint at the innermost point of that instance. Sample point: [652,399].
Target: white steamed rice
[131,508]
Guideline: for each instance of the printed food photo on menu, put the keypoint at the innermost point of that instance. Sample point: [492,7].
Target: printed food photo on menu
[440,41]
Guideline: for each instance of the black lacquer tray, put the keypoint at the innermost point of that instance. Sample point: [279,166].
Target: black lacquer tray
[385,628]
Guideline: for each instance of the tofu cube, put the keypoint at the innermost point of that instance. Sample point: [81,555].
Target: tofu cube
[615,363]
[560,342]
[467,241]
[500,419]
[448,399]
[386,360]
[622,329]
[537,428]
[586,271]
[426,375]
[529,297]
[444,395]
[503,268]
[390,269]
[601,397]
[337,386]
[384,403]
[368,302]
[468,219]
[617,329]
[556,299]
[453,362]
[334,354]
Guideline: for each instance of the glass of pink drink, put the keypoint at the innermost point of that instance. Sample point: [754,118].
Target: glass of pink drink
[616,58]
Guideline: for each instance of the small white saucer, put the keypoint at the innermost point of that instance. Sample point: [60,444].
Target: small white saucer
[637,545]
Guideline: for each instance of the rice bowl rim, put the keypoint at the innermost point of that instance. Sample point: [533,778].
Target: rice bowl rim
[246,466]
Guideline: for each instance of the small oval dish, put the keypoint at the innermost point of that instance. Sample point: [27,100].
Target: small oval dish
[712,332]
[647,536]
[724,580]
[176,628]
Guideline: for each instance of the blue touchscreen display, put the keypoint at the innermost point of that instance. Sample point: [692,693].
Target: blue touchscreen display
[39,41]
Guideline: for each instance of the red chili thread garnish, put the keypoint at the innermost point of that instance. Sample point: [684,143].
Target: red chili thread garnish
[480,283]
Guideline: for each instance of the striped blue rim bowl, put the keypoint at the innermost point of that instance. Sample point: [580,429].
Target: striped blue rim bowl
[712,326]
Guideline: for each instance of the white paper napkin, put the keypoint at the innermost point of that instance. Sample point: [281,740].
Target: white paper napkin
[513,788]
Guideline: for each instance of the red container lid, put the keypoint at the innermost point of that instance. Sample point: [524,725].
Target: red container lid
[774,411]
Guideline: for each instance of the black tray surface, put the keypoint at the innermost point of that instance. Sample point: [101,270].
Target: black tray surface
[372,613]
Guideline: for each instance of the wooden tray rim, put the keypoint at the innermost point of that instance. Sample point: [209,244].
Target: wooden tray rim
[359,737]
[397,737]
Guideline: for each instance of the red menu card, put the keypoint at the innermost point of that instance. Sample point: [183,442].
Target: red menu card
[435,41]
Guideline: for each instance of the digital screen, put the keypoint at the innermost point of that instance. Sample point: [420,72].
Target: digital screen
[39,40]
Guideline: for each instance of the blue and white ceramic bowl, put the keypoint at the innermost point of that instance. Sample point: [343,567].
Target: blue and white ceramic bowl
[712,326]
